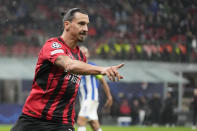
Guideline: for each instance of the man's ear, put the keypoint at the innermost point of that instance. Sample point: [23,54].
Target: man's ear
[67,25]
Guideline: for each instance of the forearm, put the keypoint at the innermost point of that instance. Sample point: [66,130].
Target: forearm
[77,67]
[106,88]
[81,68]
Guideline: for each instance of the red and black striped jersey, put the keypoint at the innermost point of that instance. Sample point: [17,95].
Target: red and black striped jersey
[54,90]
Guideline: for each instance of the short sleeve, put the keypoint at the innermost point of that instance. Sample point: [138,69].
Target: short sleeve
[53,49]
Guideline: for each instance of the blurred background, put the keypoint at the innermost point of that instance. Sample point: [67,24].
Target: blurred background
[156,39]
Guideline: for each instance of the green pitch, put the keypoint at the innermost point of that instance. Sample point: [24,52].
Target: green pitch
[117,128]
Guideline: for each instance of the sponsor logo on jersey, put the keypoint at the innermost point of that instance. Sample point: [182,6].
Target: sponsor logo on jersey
[57,51]
[73,77]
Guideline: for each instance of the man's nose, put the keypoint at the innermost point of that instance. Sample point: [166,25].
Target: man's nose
[85,28]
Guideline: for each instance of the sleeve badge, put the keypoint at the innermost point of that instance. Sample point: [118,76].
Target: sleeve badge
[56,45]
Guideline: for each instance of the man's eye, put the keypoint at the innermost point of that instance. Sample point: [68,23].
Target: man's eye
[82,23]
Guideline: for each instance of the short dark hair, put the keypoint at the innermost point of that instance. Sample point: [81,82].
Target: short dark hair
[68,15]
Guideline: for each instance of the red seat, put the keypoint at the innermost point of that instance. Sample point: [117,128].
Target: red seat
[3,50]
[32,51]
[19,49]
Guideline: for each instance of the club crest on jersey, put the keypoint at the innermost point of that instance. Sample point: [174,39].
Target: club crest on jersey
[56,45]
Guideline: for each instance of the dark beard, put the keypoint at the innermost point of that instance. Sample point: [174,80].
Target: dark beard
[82,39]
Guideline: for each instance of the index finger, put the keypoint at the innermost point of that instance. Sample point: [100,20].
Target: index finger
[120,65]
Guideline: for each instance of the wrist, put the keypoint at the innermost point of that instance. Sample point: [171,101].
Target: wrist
[101,70]
[109,97]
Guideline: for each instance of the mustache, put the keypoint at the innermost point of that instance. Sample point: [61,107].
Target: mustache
[83,33]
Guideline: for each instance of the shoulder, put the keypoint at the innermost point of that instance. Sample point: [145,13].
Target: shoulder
[53,39]
[53,43]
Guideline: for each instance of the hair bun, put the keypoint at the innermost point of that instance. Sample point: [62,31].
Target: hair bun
[63,13]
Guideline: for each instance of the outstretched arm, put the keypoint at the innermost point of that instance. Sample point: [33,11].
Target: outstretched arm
[82,68]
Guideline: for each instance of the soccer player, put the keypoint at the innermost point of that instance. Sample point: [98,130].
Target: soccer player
[89,98]
[50,104]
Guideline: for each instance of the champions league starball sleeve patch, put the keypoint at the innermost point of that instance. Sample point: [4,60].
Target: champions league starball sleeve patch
[56,45]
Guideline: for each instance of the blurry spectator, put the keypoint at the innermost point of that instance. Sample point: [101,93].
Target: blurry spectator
[115,109]
[125,109]
[21,31]
[194,109]
[168,52]
[168,111]
[194,44]
[117,52]
[145,24]
[155,108]
[126,48]
[103,50]
[135,108]
[139,51]
[144,111]
[194,48]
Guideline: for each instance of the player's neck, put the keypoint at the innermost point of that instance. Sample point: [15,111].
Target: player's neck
[68,40]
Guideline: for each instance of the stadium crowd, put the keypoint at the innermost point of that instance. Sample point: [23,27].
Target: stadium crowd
[119,29]
[147,110]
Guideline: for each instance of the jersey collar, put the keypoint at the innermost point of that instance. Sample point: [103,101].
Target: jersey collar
[75,50]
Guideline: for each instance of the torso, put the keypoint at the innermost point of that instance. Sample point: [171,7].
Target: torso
[54,90]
